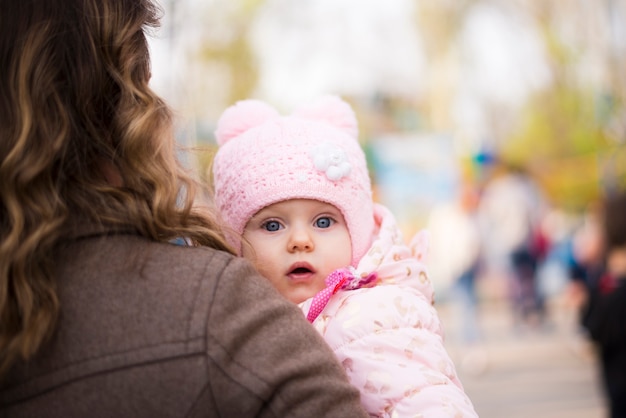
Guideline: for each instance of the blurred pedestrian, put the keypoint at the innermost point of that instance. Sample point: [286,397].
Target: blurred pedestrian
[511,211]
[456,252]
[100,314]
[585,262]
[605,313]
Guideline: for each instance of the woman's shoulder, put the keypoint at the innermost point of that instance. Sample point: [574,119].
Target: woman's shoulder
[230,274]
[160,263]
[193,254]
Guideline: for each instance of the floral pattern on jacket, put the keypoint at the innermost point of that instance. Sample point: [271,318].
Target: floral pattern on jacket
[389,337]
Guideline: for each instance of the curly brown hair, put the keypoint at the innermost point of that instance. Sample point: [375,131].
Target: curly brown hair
[75,106]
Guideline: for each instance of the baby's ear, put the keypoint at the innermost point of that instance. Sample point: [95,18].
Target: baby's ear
[334,111]
[242,116]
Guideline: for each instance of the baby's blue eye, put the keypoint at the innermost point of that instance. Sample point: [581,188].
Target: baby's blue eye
[271,226]
[324,222]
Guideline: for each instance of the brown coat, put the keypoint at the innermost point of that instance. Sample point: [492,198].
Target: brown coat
[159,330]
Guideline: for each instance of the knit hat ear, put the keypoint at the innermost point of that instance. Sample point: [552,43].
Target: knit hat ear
[332,110]
[242,116]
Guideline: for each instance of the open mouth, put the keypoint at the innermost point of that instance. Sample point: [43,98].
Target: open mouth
[300,270]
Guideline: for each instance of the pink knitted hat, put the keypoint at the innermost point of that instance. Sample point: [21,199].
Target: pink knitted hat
[314,153]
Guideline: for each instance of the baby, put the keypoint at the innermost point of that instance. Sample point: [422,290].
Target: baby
[296,193]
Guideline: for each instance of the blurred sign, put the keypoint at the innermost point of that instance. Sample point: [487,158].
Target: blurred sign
[413,174]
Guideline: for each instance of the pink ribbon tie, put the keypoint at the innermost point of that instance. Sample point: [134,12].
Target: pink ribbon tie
[337,280]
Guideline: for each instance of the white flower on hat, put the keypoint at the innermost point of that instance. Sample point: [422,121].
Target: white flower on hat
[332,160]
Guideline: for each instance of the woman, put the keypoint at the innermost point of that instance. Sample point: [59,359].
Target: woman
[100,314]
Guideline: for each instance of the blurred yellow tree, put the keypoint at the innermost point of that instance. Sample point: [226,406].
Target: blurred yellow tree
[229,52]
[563,135]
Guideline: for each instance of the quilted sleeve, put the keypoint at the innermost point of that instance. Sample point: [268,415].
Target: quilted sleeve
[389,340]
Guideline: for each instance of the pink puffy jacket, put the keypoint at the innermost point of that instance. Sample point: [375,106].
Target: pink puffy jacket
[389,338]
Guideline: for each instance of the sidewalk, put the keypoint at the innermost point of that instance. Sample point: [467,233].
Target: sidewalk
[538,373]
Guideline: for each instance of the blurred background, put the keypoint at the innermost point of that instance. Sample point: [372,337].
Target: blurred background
[499,125]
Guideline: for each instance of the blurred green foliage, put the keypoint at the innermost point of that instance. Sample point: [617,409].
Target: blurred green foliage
[562,136]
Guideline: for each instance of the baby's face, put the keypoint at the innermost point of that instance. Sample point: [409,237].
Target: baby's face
[296,244]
